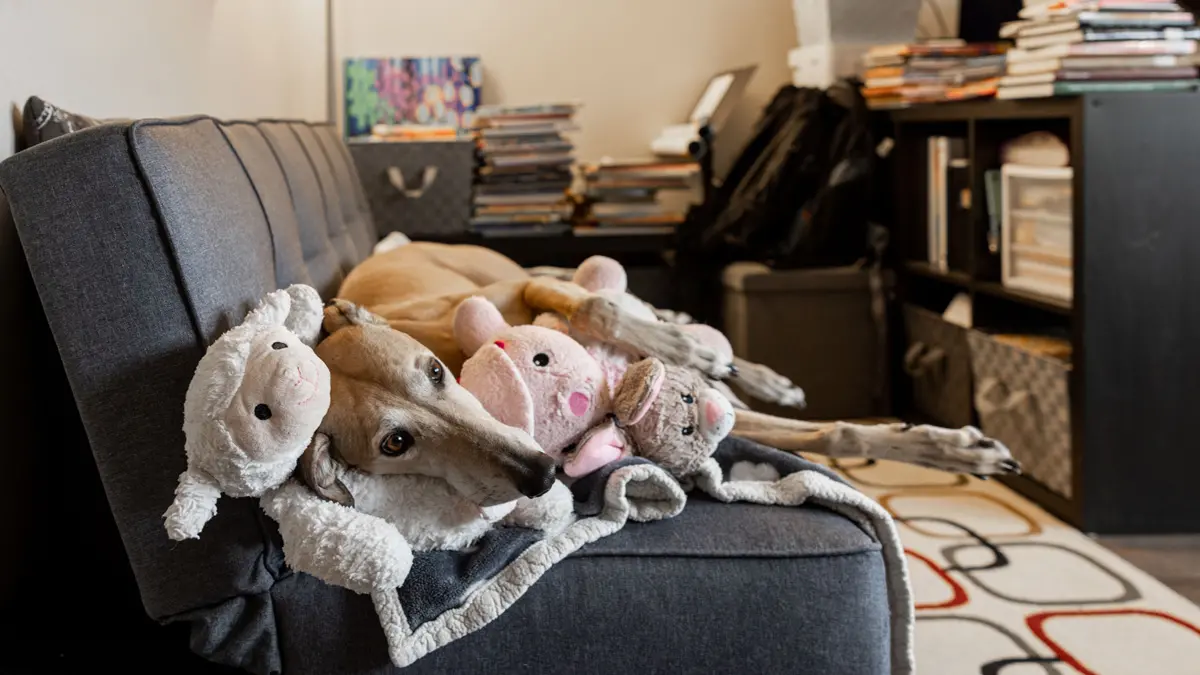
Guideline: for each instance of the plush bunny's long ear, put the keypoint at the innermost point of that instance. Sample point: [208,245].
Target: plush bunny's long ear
[305,315]
[600,273]
[477,322]
[195,504]
[639,389]
[321,471]
[272,310]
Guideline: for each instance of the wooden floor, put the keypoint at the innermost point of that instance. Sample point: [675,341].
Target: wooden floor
[1172,559]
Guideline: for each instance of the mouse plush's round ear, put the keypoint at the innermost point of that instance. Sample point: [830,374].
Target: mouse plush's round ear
[600,273]
[477,322]
[639,390]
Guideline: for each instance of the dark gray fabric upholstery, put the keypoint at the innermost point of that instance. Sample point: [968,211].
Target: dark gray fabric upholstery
[339,234]
[264,171]
[355,211]
[145,241]
[323,261]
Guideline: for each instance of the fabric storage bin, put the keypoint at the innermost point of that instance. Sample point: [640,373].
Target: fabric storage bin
[818,328]
[420,188]
[938,360]
[1023,400]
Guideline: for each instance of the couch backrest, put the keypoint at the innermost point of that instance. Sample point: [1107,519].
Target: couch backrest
[145,241]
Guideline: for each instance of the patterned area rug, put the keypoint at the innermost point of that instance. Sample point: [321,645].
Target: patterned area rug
[1004,588]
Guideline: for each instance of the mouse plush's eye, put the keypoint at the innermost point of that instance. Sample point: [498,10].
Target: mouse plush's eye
[278,345]
[436,372]
[688,430]
[396,443]
[689,399]
[541,360]
[262,411]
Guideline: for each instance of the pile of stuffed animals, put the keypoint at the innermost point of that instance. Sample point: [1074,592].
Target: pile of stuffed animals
[260,393]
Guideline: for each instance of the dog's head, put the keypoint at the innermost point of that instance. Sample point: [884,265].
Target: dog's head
[395,409]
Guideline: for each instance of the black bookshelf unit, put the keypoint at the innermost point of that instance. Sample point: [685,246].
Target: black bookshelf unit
[1134,322]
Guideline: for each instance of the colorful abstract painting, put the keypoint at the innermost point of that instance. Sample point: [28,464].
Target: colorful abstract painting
[435,91]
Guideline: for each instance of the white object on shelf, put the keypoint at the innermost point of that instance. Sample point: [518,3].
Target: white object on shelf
[1036,234]
[820,65]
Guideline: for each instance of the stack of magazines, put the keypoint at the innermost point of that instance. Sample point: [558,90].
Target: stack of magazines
[1077,46]
[525,170]
[897,76]
[642,196]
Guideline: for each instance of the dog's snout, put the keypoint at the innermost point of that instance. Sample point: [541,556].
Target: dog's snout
[535,478]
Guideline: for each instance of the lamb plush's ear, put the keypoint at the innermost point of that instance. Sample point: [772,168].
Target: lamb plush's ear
[305,315]
[477,322]
[340,314]
[272,310]
[599,273]
[321,471]
[639,389]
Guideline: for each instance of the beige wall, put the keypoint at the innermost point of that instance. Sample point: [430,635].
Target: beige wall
[142,58]
[637,65]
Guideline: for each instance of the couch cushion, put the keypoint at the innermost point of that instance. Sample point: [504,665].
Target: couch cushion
[355,210]
[128,338]
[271,187]
[339,232]
[323,261]
[211,216]
[732,588]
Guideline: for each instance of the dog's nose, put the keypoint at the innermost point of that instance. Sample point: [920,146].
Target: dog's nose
[536,479]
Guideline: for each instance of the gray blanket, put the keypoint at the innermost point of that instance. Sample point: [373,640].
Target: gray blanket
[448,595]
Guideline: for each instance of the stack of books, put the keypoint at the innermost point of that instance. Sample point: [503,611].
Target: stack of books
[897,76]
[1081,46]
[525,170]
[648,196]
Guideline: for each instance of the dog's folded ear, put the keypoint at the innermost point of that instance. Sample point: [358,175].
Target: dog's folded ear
[341,314]
[321,471]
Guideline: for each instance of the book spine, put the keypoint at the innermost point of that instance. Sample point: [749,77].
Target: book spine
[931,201]
[1127,74]
[943,213]
[1070,88]
[958,207]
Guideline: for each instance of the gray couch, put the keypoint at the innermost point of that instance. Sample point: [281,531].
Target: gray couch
[144,242]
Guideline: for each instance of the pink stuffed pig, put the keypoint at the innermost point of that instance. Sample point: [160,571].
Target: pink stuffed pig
[530,377]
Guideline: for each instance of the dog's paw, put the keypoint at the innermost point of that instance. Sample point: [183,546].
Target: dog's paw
[767,385]
[964,450]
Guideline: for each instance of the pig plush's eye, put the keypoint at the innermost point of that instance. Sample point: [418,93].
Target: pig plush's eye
[688,430]
[541,360]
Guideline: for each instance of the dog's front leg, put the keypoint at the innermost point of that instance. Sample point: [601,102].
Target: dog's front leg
[963,450]
[604,320]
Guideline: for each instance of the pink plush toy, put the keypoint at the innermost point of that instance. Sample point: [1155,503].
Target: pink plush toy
[607,278]
[530,377]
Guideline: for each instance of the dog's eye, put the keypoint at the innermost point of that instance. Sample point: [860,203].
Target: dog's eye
[688,430]
[396,443]
[262,411]
[688,399]
[436,373]
[278,345]
[541,360]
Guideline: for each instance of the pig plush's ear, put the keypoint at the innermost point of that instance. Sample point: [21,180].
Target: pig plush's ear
[477,322]
[599,273]
[639,390]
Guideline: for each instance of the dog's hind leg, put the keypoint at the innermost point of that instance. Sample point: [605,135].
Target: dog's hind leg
[604,320]
[963,450]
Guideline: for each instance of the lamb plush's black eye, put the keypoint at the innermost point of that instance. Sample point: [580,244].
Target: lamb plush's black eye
[262,411]
[278,345]
[396,443]
[541,360]
[436,373]
[688,399]
[688,430]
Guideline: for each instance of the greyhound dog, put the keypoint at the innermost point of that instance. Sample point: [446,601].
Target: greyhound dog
[415,289]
